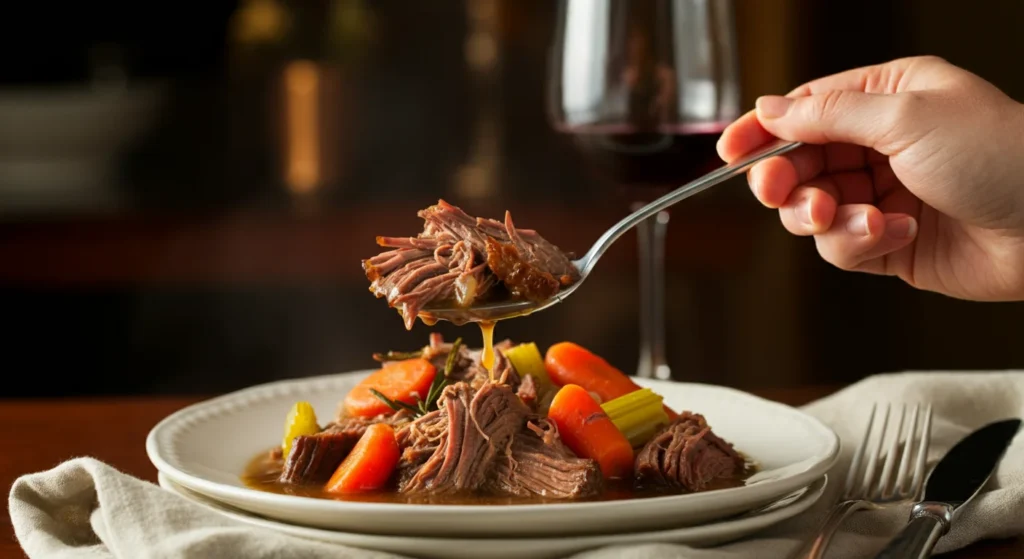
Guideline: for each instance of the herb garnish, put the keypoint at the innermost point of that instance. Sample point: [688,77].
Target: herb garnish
[397,355]
[441,380]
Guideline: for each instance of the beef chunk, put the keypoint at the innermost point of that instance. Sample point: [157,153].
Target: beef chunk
[687,454]
[313,458]
[448,262]
[540,465]
[520,277]
[479,427]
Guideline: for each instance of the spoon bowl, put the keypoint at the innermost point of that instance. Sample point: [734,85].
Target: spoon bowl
[500,310]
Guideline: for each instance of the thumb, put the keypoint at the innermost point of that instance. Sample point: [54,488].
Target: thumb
[853,117]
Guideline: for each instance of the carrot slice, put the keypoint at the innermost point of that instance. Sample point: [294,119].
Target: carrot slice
[401,381]
[370,464]
[589,433]
[569,363]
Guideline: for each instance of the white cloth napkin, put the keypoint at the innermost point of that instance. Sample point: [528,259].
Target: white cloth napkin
[84,508]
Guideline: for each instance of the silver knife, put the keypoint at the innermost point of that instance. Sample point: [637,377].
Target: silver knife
[956,479]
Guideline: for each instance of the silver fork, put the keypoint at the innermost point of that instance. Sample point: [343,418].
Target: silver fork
[866,488]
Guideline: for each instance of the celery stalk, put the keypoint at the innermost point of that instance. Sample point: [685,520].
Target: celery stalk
[527,360]
[301,420]
[638,415]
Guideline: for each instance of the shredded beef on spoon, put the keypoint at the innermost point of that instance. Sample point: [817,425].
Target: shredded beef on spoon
[460,260]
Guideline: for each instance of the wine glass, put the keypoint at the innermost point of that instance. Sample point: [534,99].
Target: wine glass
[645,87]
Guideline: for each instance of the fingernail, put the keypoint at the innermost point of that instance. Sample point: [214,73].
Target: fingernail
[803,212]
[858,224]
[773,106]
[900,227]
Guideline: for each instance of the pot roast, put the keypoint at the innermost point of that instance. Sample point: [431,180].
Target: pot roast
[687,454]
[459,259]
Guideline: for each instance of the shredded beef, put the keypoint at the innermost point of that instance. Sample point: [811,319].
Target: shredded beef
[686,454]
[448,262]
[487,441]
[540,465]
[467,365]
[479,427]
[356,426]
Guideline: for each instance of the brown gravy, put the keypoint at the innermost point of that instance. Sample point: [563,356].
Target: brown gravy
[487,353]
[263,471]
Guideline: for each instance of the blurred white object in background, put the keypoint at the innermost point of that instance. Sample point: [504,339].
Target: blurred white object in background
[60,144]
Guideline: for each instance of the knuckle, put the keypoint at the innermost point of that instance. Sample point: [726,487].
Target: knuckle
[837,258]
[790,222]
[920,60]
[908,112]
[907,106]
[930,59]
[828,105]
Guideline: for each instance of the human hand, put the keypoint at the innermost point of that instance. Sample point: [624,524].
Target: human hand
[915,169]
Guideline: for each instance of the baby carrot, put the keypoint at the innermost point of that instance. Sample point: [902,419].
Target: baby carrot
[401,381]
[370,464]
[589,433]
[569,363]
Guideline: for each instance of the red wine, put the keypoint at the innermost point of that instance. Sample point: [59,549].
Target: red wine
[659,160]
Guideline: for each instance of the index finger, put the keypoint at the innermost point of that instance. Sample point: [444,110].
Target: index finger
[746,133]
[741,137]
[876,78]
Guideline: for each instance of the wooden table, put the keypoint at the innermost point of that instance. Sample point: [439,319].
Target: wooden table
[114,430]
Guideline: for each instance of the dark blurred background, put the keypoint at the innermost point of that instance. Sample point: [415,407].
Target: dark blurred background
[186,194]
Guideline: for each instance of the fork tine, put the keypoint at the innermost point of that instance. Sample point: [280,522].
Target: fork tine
[869,474]
[922,452]
[885,480]
[908,450]
[858,455]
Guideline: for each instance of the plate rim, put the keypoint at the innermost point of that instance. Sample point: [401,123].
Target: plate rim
[815,491]
[215,489]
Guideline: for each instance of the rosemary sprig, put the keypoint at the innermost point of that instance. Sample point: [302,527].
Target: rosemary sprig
[397,355]
[441,380]
[397,406]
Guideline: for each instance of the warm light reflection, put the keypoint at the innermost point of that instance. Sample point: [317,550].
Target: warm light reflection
[259,21]
[481,50]
[302,159]
[477,177]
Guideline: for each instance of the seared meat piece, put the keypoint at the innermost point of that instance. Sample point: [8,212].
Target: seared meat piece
[313,458]
[520,277]
[448,262]
[687,454]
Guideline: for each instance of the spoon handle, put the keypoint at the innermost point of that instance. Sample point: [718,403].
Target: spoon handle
[717,176]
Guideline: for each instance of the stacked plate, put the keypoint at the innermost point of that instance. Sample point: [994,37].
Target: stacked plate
[201,452]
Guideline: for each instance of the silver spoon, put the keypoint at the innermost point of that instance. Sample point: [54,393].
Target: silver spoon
[507,309]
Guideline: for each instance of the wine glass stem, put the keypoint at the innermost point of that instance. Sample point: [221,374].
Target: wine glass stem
[651,236]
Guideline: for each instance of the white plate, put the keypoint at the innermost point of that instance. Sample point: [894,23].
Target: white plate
[530,548]
[205,447]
